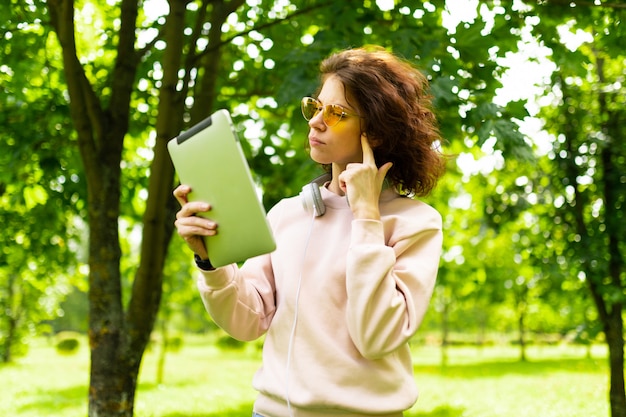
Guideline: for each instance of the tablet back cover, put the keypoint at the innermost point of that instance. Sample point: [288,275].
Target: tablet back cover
[208,157]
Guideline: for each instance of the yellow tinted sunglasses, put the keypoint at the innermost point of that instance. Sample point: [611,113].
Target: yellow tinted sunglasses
[331,113]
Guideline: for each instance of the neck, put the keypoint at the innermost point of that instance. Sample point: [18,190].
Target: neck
[334,182]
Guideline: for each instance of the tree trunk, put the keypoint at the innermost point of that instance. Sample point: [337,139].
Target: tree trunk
[612,176]
[522,335]
[163,347]
[445,330]
[114,359]
[521,300]
[111,391]
[615,339]
[11,318]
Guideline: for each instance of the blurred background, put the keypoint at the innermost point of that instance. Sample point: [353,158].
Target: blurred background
[94,281]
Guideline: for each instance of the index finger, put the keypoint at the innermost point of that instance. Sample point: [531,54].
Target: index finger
[181,193]
[368,153]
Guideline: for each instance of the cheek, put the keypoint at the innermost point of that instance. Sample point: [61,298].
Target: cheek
[348,134]
[343,128]
[347,141]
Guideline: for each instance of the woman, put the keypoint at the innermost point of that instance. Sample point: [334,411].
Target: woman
[349,284]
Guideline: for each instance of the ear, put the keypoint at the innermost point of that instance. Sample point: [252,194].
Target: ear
[372,140]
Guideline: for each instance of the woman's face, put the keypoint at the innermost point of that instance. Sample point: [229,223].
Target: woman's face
[339,144]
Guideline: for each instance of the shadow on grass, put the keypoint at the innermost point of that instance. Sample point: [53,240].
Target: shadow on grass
[58,400]
[150,386]
[500,368]
[244,410]
[445,411]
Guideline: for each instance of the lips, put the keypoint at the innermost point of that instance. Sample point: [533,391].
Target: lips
[313,141]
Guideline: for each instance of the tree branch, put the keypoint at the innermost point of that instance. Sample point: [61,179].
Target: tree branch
[144,303]
[262,26]
[85,107]
[124,73]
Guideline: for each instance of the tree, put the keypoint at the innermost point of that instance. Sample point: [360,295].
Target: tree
[588,158]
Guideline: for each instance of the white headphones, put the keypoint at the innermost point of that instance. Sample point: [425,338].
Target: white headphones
[311,196]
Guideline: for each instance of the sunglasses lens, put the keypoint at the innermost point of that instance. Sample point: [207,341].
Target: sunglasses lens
[332,114]
[310,107]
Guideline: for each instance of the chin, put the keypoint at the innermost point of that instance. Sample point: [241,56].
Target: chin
[320,159]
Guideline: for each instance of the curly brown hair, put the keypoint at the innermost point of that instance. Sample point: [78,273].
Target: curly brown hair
[392,97]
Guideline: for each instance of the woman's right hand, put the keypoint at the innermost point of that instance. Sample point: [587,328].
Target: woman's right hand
[190,227]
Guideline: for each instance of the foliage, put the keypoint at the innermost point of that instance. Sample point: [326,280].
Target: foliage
[576,235]
[553,225]
[227,342]
[41,196]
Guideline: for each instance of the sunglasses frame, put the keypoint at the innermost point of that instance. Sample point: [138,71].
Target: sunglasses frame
[324,108]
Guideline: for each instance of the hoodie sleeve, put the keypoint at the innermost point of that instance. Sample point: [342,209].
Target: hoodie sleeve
[389,284]
[242,305]
[242,301]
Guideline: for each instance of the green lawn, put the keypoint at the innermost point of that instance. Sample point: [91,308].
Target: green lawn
[203,381]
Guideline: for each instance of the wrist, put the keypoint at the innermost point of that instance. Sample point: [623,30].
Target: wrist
[366,213]
[203,264]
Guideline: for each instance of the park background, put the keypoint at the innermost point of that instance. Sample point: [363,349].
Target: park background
[100,314]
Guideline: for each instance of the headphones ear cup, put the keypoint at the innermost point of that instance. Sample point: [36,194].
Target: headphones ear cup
[312,199]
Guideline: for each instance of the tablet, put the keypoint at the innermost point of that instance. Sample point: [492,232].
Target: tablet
[208,157]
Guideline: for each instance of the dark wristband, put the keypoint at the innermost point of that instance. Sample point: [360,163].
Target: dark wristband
[204,264]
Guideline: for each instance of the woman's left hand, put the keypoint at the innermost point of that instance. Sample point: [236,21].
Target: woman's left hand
[362,183]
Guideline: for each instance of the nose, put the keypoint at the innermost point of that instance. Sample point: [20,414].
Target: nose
[317,121]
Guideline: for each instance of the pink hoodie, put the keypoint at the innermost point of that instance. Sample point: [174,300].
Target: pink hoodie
[338,300]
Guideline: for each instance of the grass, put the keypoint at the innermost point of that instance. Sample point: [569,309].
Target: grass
[203,381]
